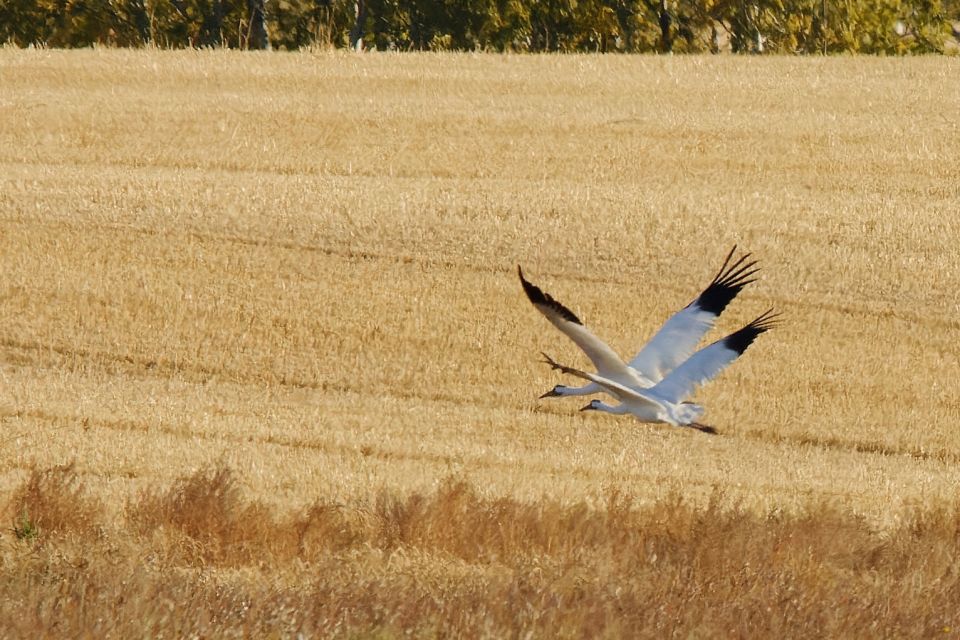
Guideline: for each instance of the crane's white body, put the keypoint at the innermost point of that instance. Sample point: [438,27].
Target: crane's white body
[671,345]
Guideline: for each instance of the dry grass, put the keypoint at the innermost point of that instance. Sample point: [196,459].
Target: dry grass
[301,268]
[200,561]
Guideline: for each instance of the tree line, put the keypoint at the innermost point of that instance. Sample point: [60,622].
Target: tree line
[681,26]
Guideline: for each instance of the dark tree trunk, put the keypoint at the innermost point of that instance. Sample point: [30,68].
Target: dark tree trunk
[359,17]
[257,35]
[624,19]
[211,31]
[141,21]
[217,23]
[666,39]
[416,32]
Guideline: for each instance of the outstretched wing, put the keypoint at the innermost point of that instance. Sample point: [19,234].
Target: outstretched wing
[617,390]
[605,359]
[707,363]
[678,337]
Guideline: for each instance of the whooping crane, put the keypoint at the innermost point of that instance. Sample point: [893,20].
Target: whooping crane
[672,344]
[666,400]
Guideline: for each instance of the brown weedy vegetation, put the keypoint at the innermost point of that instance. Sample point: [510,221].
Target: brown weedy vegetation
[265,367]
[455,563]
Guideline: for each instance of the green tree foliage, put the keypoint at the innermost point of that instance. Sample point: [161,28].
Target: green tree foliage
[681,26]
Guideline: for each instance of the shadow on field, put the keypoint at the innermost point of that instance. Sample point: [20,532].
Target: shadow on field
[855,446]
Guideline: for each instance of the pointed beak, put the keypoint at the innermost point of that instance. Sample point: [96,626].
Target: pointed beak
[589,407]
[550,394]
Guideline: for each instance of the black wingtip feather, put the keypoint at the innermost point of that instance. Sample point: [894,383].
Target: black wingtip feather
[729,281]
[740,340]
[538,297]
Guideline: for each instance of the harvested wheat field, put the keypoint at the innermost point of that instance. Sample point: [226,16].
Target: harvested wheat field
[266,368]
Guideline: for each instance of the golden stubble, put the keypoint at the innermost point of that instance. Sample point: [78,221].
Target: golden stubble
[302,266]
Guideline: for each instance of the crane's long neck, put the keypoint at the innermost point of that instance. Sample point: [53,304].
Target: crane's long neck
[585,390]
[618,409]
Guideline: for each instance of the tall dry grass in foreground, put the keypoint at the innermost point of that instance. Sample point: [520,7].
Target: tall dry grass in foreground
[200,560]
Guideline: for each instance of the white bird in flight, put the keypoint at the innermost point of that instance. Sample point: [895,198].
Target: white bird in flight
[671,345]
[666,400]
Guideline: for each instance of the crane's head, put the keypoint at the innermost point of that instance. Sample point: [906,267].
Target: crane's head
[594,405]
[557,392]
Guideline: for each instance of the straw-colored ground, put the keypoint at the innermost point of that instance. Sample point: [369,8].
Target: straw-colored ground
[302,268]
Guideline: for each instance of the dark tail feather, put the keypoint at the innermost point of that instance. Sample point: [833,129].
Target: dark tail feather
[703,427]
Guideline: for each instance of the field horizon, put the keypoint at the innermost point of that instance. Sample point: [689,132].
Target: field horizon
[290,280]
